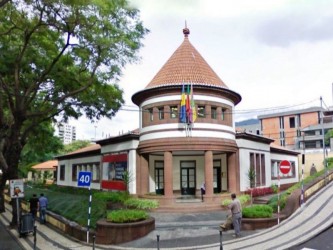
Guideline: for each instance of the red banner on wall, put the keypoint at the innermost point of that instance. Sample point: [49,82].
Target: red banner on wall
[115,158]
[113,185]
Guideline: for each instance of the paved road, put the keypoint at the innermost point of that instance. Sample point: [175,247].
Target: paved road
[8,241]
[321,241]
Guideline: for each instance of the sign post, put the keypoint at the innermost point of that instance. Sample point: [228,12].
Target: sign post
[84,180]
[284,169]
[16,190]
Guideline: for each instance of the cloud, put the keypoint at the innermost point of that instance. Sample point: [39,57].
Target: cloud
[296,23]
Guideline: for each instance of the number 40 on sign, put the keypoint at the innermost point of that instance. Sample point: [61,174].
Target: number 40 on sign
[84,179]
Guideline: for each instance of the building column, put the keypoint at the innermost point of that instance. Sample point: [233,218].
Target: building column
[233,173]
[132,171]
[168,173]
[209,175]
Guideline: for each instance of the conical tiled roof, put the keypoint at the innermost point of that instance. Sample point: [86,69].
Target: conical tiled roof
[188,66]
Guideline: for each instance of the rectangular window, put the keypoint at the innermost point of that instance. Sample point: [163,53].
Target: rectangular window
[173,111]
[292,122]
[96,172]
[213,112]
[223,114]
[74,172]
[161,113]
[62,172]
[281,122]
[151,114]
[257,172]
[201,111]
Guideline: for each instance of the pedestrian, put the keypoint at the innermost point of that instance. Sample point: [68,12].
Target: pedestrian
[236,212]
[203,190]
[34,204]
[43,202]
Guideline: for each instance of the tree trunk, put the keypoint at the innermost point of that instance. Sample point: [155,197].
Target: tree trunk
[12,154]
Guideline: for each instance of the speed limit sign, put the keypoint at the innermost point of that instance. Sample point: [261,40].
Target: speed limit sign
[84,179]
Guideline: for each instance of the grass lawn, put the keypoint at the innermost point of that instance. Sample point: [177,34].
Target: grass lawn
[70,203]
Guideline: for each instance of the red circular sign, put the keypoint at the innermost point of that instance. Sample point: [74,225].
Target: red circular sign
[285,167]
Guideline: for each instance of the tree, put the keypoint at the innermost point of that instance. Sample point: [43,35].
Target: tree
[3,2]
[328,136]
[60,59]
[41,146]
[75,146]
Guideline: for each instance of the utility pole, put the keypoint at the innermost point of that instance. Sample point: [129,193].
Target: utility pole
[323,135]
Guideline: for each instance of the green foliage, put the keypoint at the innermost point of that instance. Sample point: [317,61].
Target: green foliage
[257,211]
[41,146]
[70,204]
[144,204]
[274,201]
[71,147]
[328,136]
[58,60]
[111,196]
[125,216]
[242,198]
[275,188]
[251,175]
[128,178]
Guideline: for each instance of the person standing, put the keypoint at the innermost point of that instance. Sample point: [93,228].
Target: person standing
[203,190]
[43,202]
[236,213]
[34,203]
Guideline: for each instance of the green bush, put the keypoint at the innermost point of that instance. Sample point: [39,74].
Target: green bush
[273,202]
[257,211]
[126,216]
[144,204]
[245,198]
[111,196]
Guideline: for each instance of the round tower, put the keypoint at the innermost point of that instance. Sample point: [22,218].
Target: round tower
[187,131]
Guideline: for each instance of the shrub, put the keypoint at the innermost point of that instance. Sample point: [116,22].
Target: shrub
[111,196]
[273,202]
[257,211]
[144,204]
[243,200]
[260,191]
[126,216]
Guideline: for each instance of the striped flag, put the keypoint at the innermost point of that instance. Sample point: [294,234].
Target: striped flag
[182,115]
[188,106]
[194,112]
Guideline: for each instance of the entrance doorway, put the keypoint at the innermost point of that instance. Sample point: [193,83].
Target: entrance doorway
[217,176]
[187,177]
[159,177]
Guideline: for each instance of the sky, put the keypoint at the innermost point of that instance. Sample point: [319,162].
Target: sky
[276,54]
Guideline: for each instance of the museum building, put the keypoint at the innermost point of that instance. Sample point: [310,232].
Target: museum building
[186,138]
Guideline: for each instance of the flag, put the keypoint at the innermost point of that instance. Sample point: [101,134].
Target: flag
[182,114]
[188,105]
[194,112]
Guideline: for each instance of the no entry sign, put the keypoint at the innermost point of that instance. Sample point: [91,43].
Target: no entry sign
[285,167]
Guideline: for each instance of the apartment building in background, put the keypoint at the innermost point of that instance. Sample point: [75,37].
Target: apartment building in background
[66,132]
[286,128]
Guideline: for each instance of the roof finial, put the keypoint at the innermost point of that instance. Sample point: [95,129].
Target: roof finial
[186,31]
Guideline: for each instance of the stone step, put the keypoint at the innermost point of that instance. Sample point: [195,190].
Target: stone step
[189,207]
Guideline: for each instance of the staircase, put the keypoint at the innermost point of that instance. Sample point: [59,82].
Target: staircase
[189,205]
